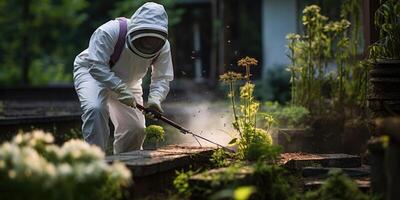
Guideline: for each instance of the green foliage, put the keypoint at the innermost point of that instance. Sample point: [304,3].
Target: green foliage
[290,116]
[314,85]
[74,133]
[128,7]
[337,186]
[43,49]
[272,183]
[181,183]
[226,178]
[155,133]
[266,181]
[10,73]
[1,108]
[262,150]
[220,158]
[32,167]
[251,141]
[243,192]
[42,74]
[387,20]
[275,86]
[239,193]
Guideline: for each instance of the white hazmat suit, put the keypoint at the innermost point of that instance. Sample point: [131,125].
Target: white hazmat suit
[97,83]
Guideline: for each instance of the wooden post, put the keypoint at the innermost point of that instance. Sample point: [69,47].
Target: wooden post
[393,170]
[214,40]
[221,42]
[378,176]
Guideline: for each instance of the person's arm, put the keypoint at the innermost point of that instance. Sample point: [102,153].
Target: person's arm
[101,46]
[162,73]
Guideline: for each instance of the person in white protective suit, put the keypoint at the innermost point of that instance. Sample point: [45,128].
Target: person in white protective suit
[111,93]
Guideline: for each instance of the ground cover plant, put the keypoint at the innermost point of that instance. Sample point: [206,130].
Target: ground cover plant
[33,167]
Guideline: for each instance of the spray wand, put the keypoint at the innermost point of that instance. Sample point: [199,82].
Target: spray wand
[161,117]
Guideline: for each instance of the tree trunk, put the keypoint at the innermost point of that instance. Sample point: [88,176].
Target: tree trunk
[25,46]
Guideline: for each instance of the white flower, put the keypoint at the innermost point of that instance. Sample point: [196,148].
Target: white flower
[12,174]
[2,164]
[78,149]
[32,159]
[120,170]
[33,138]
[64,169]
[45,137]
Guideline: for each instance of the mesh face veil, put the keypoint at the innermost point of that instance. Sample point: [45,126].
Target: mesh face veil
[148,30]
[146,43]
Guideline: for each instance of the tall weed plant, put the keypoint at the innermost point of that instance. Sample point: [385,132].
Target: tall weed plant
[253,143]
[326,75]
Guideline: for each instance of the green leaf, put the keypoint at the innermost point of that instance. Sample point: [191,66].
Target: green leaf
[244,192]
[233,141]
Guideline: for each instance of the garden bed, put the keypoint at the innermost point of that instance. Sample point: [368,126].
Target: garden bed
[154,170]
[312,170]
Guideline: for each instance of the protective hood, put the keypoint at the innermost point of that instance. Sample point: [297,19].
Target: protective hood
[151,19]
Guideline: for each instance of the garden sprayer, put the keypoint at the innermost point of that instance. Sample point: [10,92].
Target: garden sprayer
[161,117]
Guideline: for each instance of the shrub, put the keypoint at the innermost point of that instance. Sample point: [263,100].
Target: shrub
[155,133]
[32,167]
[181,183]
[290,116]
[220,158]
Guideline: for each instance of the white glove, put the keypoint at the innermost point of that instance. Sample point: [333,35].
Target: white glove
[125,96]
[155,105]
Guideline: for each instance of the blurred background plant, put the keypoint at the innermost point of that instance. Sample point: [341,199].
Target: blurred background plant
[287,116]
[387,21]
[33,54]
[337,186]
[32,167]
[326,74]
[28,49]
[275,86]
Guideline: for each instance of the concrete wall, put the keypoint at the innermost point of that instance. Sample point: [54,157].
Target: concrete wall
[278,19]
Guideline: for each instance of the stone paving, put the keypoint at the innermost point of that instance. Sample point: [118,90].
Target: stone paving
[147,162]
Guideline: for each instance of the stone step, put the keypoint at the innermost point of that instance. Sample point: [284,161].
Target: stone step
[315,183]
[363,171]
[297,161]
[154,170]
[148,162]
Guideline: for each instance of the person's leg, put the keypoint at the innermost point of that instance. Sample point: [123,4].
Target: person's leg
[93,99]
[129,125]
